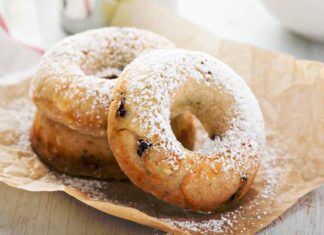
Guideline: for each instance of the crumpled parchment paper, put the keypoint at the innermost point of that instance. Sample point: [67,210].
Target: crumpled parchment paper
[291,95]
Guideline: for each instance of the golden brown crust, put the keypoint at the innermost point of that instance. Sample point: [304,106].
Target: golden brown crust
[163,83]
[71,152]
[68,85]
[72,91]
[78,154]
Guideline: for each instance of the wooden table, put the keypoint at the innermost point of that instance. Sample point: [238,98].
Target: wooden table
[56,213]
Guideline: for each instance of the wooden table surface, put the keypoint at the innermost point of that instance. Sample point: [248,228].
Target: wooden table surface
[30,213]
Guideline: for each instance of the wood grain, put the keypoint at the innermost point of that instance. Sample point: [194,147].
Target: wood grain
[55,213]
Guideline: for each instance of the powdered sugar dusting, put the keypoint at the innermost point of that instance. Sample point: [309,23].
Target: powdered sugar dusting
[108,72]
[255,206]
[94,189]
[252,209]
[16,123]
[67,76]
[156,77]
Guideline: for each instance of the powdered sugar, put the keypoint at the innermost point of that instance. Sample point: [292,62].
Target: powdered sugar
[155,80]
[93,188]
[16,123]
[66,86]
[255,208]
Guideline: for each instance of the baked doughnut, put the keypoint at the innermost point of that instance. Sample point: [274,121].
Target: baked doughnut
[161,85]
[78,154]
[73,89]
[72,152]
[66,86]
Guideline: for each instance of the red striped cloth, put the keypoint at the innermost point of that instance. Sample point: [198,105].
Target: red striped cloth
[5,28]
[3,25]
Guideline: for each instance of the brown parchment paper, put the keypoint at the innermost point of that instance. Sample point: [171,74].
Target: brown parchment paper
[291,95]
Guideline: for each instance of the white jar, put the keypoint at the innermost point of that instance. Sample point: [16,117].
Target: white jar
[80,15]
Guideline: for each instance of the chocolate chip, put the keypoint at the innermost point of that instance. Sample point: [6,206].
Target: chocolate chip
[209,73]
[213,137]
[142,145]
[244,178]
[202,62]
[121,111]
[113,76]
[233,197]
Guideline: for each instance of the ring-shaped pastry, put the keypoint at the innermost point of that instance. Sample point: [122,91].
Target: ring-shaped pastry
[72,91]
[163,84]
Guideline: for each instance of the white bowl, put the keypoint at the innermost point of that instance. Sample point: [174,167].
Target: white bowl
[305,17]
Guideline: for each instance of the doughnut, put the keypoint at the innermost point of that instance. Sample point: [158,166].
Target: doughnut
[66,86]
[72,90]
[79,154]
[163,84]
[72,152]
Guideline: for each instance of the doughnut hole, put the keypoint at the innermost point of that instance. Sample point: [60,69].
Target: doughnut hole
[184,129]
[186,124]
[108,73]
[201,134]
[213,110]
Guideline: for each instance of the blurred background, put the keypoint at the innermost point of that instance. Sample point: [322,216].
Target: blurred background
[291,26]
